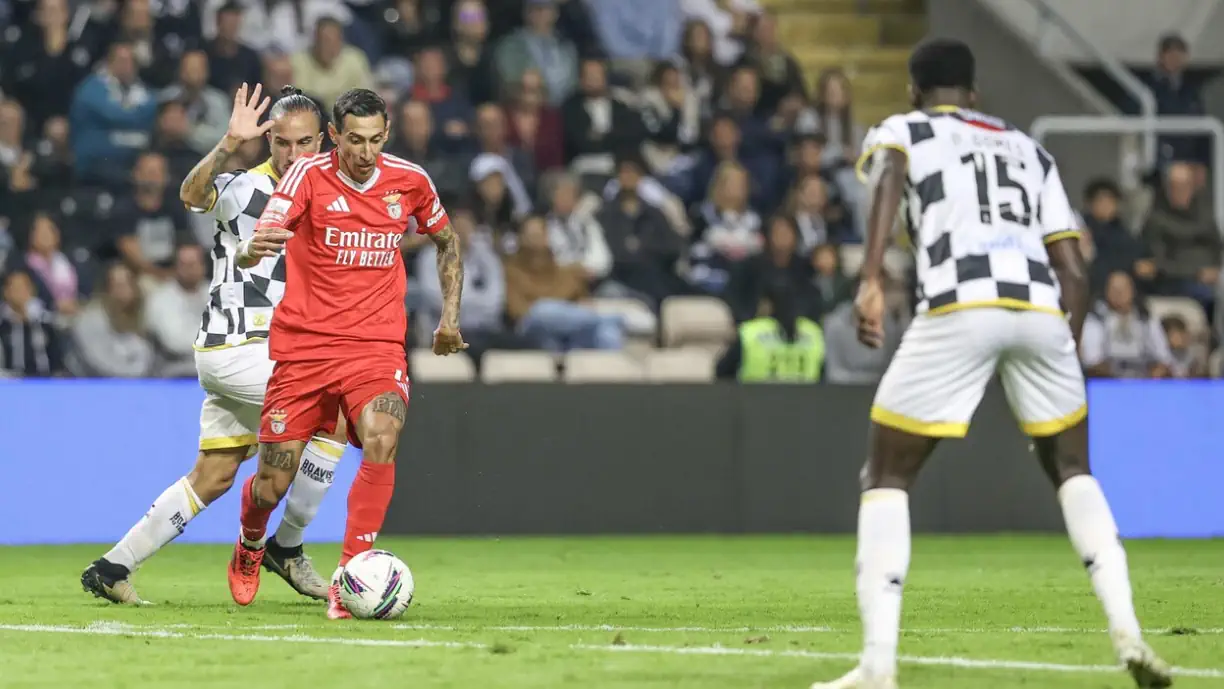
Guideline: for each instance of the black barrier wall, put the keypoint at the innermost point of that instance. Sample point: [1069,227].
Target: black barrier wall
[558,459]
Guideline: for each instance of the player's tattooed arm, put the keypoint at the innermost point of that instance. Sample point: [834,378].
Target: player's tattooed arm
[197,190]
[450,275]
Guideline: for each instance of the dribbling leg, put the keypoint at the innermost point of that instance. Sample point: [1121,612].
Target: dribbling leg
[278,463]
[1094,535]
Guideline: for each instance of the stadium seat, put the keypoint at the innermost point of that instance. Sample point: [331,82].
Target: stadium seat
[426,367]
[696,321]
[686,365]
[518,367]
[640,321]
[589,366]
[1188,309]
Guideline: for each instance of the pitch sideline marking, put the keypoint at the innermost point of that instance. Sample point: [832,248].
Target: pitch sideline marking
[114,629]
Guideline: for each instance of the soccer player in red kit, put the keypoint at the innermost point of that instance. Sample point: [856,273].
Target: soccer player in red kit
[338,336]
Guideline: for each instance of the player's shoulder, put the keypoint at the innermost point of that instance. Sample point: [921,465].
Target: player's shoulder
[301,169]
[401,168]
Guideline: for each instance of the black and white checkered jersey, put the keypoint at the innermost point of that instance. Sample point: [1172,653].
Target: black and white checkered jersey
[982,201]
[240,301]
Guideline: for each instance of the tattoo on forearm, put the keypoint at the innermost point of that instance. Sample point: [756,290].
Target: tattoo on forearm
[390,403]
[450,269]
[277,458]
[197,186]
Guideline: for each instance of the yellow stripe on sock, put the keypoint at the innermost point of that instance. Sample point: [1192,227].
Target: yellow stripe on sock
[192,500]
[327,447]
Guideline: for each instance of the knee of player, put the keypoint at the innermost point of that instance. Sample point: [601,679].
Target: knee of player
[380,440]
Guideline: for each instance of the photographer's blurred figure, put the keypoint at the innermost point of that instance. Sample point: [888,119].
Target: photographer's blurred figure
[779,346]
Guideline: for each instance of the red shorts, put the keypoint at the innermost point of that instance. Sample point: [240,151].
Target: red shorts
[305,397]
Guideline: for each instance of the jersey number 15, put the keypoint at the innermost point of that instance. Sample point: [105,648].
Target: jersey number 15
[988,190]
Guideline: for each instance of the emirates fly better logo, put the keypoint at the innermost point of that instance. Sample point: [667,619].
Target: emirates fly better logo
[363,247]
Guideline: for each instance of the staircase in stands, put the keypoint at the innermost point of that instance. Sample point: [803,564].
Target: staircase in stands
[869,40]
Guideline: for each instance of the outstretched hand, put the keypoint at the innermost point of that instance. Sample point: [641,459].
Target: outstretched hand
[244,121]
[448,341]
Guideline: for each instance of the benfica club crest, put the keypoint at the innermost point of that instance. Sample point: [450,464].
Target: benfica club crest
[276,420]
[394,209]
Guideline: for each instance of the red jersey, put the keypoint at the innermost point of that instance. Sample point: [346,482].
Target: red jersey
[344,276]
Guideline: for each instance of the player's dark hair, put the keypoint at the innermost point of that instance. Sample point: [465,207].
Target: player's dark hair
[293,100]
[942,63]
[358,103]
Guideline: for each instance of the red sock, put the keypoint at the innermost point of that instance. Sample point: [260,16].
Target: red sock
[367,507]
[254,517]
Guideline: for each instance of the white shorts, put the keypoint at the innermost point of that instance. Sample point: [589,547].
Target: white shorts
[235,380]
[936,379]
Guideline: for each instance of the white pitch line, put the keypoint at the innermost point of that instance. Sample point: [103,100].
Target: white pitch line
[948,661]
[115,629]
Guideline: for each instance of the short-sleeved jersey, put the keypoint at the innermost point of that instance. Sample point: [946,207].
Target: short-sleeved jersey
[982,200]
[240,302]
[345,276]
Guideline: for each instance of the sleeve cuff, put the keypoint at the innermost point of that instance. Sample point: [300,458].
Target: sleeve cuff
[860,167]
[1061,234]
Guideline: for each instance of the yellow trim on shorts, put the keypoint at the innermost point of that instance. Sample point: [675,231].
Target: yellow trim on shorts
[1013,304]
[1042,429]
[1060,235]
[862,160]
[215,348]
[937,429]
[229,443]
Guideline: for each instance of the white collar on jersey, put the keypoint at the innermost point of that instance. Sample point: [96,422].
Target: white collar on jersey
[363,188]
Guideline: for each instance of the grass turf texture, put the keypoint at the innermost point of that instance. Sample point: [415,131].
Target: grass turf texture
[610,612]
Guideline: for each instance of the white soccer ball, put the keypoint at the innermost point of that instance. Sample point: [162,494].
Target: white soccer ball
[376,585]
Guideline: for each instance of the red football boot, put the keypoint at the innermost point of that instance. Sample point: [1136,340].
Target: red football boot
[244,573]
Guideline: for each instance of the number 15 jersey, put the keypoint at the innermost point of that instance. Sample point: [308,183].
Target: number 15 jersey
[982,200]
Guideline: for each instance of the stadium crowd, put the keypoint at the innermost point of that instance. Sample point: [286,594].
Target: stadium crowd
[590,152]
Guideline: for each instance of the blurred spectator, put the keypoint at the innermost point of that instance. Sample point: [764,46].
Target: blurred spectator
[494,204]
[779,261]
[111,117]
[278,73]
[230,61]
[845,196]
[414,140]
[781,75]
[727,229]
[729,22]
[690,177]
[108,336]
[156,53]
[44,63]
[672,116]
[575,237]
[29,343]
[534,125]
[818,220]
[484,288]
[12,137]
[407,28]
[393,79]
[834,117]
[1182,235]
[331,66]
[1115,246]
[702,75]
[828,286]
[207,109]
[492,138]
[282,26]
[850,362]
[543,298]
[779,345]
[149,224]
[597,126]
[172,315]
[52,165]
[469,56]
[1120,340]
[636,29]
[1187,358]
[1175,95]
[740,102]
[539,46]
[644,246]
[170,138]
[45,260]
[451,110]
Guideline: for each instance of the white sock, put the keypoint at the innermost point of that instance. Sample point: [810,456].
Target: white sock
[315,474]
[881,566]
[164,521]
[1094,535]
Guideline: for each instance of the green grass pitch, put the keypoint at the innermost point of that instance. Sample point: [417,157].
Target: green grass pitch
[701,613]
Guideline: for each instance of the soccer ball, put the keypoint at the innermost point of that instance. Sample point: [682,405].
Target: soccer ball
[376,585]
